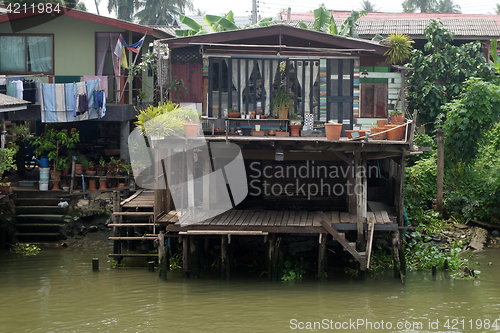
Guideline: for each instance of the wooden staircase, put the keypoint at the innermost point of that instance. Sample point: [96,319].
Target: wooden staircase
[39,218]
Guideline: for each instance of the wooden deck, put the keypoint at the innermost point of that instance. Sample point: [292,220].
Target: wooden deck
[278,221]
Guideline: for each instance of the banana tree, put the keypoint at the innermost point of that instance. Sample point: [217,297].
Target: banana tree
[221,23]
[196,28]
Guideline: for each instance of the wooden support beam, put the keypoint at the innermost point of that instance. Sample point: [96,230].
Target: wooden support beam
[162,256]
[207,169]
[343,242]
[193,257]
[321,256]
[185,255]
[360,162]
[190,181]
[369,242]
[271,268]
[224,258]
[117,245]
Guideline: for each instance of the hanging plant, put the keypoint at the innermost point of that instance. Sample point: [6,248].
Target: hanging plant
[399,48]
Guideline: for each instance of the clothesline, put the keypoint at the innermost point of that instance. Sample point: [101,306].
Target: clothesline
[68,102]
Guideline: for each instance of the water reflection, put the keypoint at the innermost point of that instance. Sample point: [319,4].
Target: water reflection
[56,291]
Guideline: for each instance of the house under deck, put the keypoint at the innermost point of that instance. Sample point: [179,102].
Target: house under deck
[350,217]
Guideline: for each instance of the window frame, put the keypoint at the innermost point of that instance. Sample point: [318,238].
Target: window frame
[26,72]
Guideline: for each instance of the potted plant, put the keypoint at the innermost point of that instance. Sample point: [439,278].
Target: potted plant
[90,171]
[101,168]
[7,162]
[295,124]
[375,129]
[397,117]
[81,163]
[282,99]
[52,141]
[141,96]
[191,121]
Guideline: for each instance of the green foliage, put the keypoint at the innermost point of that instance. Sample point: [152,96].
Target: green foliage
[467,118]
[294,269]
[348,27]
[439,74]
[422,256]
[421,140]
[7,161]
[26,249]
[399,48]
[152,112]
[420,187]
[52,141]
[221,23]
[196,28]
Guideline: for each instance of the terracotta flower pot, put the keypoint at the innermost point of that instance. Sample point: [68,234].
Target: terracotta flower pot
[362,133]
[5,187]
[283,113]
[381,123]
[394,133]
[90,172]
[397,118]
[103,183]
[295,130]
[55,176]
[333,131]
[78,169]
[375,130]
[55,185]
[92,184]
[191,130]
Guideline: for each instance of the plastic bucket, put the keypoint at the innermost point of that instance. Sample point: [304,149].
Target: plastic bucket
[44,174]
[43,185]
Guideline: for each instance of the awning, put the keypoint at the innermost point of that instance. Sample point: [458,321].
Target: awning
[9,103]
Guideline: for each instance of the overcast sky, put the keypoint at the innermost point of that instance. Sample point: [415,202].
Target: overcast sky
[270,8]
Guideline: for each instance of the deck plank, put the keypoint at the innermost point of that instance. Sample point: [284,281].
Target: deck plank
[335,217]
[255,217]
[236,217]
[309,219]
[220,218]
[385,217]
[345,217]
[242,217]
[272,219]
[279,218]
[231,215]
[303,218]
[378,217]
[296,219]
[267,218]
[317,218]
[286,217]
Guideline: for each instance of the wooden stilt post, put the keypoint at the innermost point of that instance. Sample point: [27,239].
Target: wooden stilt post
[321,256]
[271,263]
[117,247]
[95,264]
[440,170]
[193,257]
[162,260]
[401,213]
[224,258]
[351,179]
[360,199]
[278,258]
[185,255]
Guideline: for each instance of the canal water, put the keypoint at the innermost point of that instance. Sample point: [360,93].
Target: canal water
[56,291]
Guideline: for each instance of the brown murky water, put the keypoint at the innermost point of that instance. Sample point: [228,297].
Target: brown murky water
[56,291]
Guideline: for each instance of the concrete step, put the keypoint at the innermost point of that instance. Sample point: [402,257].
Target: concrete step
[20,193]
[30,218]
[40,210]
[39,201]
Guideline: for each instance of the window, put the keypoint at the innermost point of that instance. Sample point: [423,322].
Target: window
[374,100]
[26,54]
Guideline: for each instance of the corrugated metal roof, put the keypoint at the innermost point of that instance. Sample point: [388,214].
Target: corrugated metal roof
[480,26]
[8,101]
[460,27]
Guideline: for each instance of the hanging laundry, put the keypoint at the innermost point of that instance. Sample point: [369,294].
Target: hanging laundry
[102,102]
[49,114]
[83,104]
[103,82]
